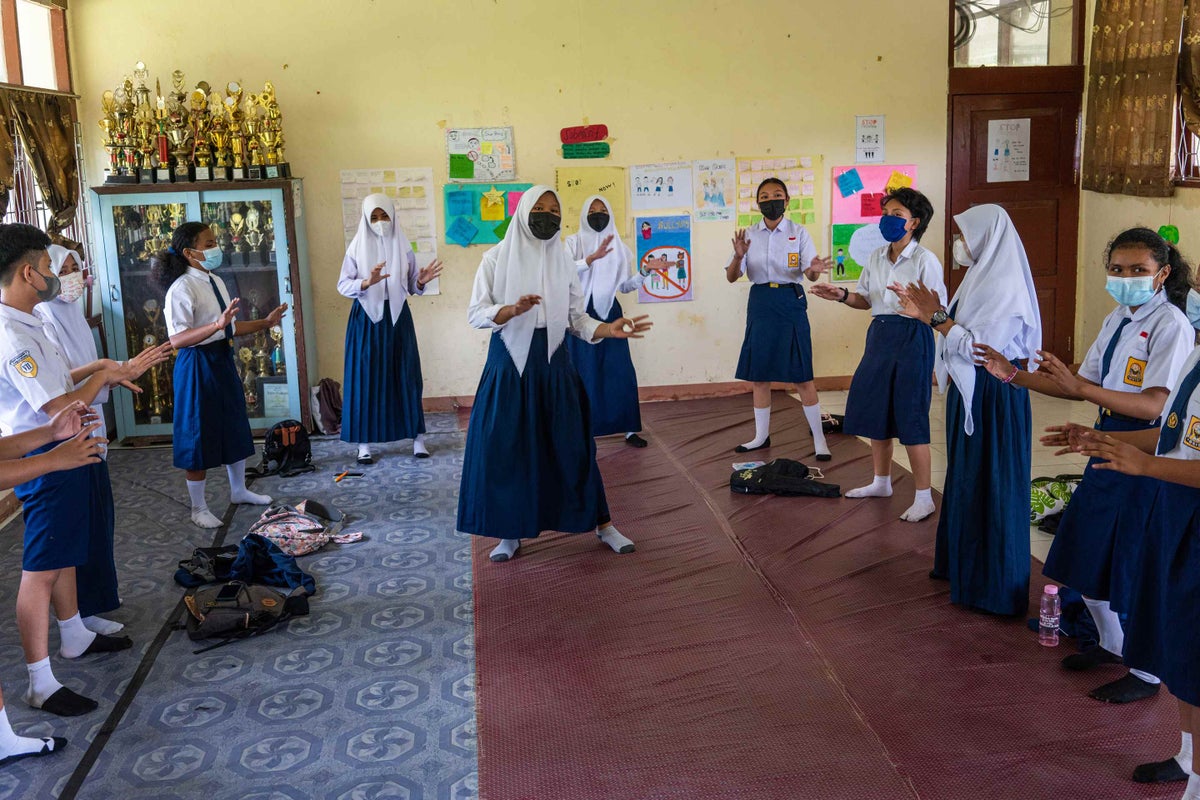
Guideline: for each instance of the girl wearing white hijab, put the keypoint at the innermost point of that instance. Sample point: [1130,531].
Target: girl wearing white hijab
[530,464]
[605,266]
[382,400]
[983,531]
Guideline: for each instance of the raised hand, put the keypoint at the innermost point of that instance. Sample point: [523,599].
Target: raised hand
[917,300]
[826,291]
[69,421]
[625,328]
[276,315]
[80,450]
[1060,373]
[229,315]
[993,361]
[1068,437]
[604,249]
[429,273]
[819,265]
[741,243]
[525,304]
[377,275]
[1114,454]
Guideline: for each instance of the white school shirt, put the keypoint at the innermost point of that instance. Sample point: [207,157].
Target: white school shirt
[352,275]
[1188,448]
[192,304]
[1150,352]
[484,307]
[778,256]
[914,264]
[32,372]
[75,360]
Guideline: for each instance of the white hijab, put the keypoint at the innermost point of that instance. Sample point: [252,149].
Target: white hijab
[601,282]
[527,265]
[67,324]
[997,287]
[368,248]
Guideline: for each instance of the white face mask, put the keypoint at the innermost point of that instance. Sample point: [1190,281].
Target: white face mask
[383,227]
[961,256]
[71,287]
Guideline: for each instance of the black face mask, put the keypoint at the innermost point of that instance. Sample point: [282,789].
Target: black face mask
[772,209]
[543,224]
[598,221]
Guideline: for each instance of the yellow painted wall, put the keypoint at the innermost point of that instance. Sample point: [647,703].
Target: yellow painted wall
[369,84]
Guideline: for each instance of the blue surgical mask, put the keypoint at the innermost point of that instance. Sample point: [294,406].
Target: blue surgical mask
[893,228]
[1193,308]
[1131,291]
[214,257]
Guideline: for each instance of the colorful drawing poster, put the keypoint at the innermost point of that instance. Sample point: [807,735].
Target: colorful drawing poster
[854,234]
[664,245]
[479,213]
[714,184]
[480,155]
[411,190]
[576,184]
[653,187]
[799,173]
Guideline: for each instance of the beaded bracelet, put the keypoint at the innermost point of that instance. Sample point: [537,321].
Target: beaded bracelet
[1012,375]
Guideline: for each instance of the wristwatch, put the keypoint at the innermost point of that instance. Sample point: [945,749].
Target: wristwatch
[939,318]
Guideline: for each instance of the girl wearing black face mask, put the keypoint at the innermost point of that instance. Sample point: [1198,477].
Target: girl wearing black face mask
[530,464]
[605,266]
[778,345]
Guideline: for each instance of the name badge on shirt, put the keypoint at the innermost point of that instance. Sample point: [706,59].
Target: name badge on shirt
[1192,439]
[793,260]
[1135,371]
[25,364]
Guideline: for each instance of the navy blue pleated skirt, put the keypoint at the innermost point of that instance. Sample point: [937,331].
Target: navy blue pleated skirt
[778,341]
[1162,636]
[211,427]
[381,394]
[893,385]
[606,370]
[61,516]
[1103,528]
[983,530]
[96,578]
[530,462]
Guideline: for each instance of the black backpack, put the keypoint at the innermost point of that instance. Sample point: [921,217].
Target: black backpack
[236,610]
[783,477]
[286,450]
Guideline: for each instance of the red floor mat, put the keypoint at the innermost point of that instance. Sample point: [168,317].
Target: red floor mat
[772,648]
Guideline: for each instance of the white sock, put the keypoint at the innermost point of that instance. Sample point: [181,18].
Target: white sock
[615,539]
[13,745]
[813,413]
[196,495]
[880,487]
[507,548]
[419,446]
[1146,676]
[204,518]
[762,428]
[101,625]
[364,450]
[921,508]
[1108,625]
[76,639]
[238,493]
[1184,756]
[42,683]
[1192,791]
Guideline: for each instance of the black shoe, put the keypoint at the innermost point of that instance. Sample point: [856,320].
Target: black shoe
[1167,771]
[741,448]
[367,459]
[1129,689]
[633,440]
[1092,657]
[934,576]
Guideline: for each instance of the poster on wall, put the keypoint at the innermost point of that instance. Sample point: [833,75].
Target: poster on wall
[411,190]
[480,214]
[480,155]
[1008,150]
[657,186]
[869,139]
[858,193]
[799,173]
[714,184]
[576,184]
[664,248]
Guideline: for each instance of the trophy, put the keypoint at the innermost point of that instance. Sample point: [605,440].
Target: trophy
[144,121]
[245,355]
[125,146]
[233,113]
[201,127]
[272,139]
[252,298]
[262,360]
[163,173]
[252,126]
[108,123]
[218,137]
[177,211]
[237,225]
[277,363]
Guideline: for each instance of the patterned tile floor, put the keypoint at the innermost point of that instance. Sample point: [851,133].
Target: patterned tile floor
[369,697]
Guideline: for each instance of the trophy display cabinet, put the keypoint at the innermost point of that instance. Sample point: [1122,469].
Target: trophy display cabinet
[260,228]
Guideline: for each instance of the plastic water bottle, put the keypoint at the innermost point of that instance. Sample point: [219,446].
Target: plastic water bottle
[1050,613]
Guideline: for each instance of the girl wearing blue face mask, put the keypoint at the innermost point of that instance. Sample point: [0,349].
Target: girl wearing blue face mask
[210,423]
[1128,373]
[892,387]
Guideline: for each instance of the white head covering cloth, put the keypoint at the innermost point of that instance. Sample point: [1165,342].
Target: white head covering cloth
[601,282]
[368,248]
[528,265]
[997,287]
[67,322]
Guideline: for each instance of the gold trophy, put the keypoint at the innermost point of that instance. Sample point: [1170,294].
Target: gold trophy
[262,359]
[233,113]
[144,120]
[108,124]
[252,298]
[237,226]
[162,173]
[201,127]
[278,366]
[252,126]
[246,356]
[177,212]
[150,339]
[277,166]
[219,137]
[123,113]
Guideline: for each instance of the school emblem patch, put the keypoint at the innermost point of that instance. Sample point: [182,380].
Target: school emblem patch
[793,260]
[1135,371]
[1173,420]
[1192,438]
[24,364]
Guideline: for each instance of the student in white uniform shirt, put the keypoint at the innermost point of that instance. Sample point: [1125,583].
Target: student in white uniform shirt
[211,427]
[777,347]
[893,385]
[36,383]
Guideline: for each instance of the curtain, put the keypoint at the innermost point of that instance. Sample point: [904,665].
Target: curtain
[1131,97]
[8,158]
[48,132]
[1189,71]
